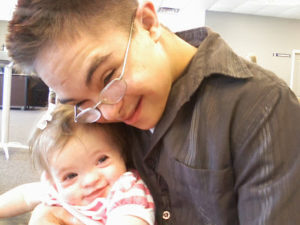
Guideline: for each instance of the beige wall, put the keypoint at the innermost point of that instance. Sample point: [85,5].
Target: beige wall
[3,31]
[262,36]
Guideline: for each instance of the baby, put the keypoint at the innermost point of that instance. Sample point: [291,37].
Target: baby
[85,170]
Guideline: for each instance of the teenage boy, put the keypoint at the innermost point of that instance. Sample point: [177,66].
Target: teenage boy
[216,138]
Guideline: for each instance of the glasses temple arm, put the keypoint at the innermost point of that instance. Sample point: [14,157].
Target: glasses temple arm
[127,49]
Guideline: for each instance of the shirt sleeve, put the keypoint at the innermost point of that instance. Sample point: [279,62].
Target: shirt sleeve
[266,160]
[130,196]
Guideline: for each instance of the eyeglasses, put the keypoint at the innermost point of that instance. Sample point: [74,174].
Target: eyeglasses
[111,94]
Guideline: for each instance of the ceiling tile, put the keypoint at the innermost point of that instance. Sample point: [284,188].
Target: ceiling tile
[292,12]
[225,5]
[248,7]
[274,8]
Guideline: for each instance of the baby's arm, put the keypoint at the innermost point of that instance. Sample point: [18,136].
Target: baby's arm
[20,199]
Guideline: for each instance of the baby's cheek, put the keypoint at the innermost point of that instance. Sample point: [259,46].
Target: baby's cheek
[72,197]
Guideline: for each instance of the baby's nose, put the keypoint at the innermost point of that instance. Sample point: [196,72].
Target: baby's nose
[91,179]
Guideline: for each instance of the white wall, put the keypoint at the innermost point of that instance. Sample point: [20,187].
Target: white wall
[3,31]
[191,13]
[259,35]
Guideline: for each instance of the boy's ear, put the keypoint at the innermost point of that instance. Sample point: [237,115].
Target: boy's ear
[147,17]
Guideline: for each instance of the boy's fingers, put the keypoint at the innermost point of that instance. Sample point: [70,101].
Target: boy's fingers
[65,217]
[50,215]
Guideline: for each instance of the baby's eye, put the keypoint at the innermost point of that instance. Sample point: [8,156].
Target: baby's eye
[70,176]
[102,159]
[108,78]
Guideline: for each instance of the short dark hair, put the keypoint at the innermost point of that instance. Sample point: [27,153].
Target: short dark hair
[37,23]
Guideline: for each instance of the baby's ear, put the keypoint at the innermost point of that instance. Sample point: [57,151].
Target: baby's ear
[47,179]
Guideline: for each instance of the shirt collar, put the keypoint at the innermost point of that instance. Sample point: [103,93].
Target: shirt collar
[213,56]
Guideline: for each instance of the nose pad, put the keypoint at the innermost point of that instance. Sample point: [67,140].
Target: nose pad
[111,112]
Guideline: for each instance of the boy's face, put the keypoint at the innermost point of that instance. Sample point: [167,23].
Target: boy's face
[66,67]
[87,167]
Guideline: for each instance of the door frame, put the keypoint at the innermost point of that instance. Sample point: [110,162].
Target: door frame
[294,53]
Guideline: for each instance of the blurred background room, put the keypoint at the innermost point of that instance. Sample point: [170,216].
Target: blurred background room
[265,30]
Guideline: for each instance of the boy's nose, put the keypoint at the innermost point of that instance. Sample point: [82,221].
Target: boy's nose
[111,112]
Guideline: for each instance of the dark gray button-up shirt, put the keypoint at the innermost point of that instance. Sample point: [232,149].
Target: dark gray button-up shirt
[227,148]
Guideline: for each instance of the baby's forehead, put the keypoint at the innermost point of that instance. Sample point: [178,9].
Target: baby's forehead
[91,139]
[95,129]
[108,133]
[99,134]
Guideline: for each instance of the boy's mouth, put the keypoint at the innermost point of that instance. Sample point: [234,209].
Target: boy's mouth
[135,115]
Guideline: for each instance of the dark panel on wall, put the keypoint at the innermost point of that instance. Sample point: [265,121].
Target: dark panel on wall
[26,92]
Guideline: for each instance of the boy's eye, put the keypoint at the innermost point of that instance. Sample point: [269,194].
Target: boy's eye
[102,159]
[108,78]
[70,176]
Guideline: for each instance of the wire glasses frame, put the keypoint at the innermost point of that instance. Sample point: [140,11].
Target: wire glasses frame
[111,94]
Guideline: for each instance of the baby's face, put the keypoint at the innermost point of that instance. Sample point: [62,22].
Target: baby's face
[87,167]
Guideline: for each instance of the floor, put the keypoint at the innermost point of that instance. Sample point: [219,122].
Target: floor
[18,169]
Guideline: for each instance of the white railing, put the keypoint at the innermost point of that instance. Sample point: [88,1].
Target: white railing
[5,144]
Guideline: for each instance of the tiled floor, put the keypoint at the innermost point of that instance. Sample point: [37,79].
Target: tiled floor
[18,169]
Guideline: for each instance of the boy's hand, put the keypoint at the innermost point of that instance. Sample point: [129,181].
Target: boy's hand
[52,215]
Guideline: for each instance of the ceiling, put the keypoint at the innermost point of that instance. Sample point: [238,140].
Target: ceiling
[275,8]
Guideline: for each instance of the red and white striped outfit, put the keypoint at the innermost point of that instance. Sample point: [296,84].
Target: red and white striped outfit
[128,196]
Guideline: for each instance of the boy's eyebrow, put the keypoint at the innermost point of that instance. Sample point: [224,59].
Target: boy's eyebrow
[65,100]
[96,62]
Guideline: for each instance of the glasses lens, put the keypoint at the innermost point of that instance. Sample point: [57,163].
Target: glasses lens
[113,92]
[89,115]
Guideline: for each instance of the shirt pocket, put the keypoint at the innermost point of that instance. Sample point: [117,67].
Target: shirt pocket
[206,192]
[208,180]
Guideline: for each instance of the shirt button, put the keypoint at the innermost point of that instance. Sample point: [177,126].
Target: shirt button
[166,215]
